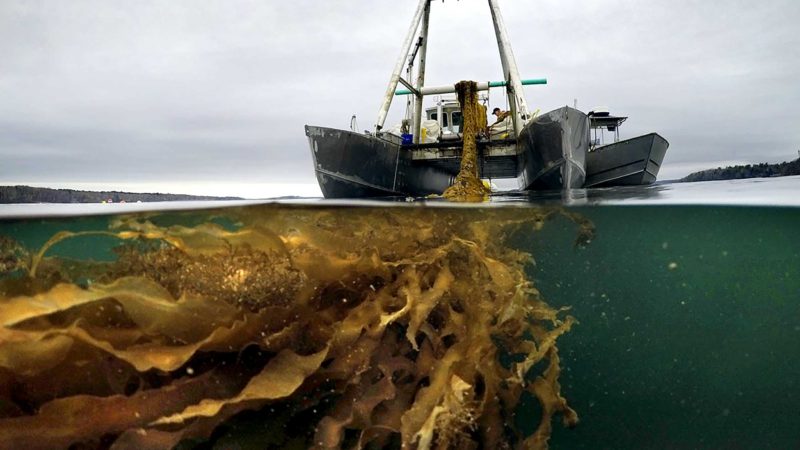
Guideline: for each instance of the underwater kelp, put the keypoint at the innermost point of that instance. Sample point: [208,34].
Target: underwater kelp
[392,327]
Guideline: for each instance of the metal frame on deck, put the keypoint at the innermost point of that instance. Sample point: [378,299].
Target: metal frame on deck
[512,79]
[401,62]
[423,57]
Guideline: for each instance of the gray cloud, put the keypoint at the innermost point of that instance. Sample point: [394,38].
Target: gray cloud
[98,90]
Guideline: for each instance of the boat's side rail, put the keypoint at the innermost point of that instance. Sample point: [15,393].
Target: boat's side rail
[453,149]
[460,143]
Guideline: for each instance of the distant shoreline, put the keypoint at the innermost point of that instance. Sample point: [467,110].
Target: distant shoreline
[763,170]
[28,194]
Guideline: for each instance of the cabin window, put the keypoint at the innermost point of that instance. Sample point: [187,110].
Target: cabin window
[458,119]
[445,122]
[433,116]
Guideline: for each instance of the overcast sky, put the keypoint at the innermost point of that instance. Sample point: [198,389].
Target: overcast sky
[121,94]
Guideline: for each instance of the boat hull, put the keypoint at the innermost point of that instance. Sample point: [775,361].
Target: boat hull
[631,162]
[352,165]
[552,151]
[549,154]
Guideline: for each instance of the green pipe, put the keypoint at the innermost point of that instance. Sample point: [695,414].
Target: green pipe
[493,84]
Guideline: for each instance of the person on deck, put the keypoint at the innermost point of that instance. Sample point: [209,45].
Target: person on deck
[501,115]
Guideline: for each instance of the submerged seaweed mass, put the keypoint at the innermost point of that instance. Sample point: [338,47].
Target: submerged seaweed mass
[393,327]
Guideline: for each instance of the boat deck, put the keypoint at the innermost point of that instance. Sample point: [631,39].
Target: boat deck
[496,159]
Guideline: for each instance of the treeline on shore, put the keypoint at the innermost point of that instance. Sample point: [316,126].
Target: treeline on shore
[749,171]
[28,194]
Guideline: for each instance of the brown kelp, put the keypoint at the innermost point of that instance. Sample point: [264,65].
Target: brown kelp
[468,186]
[384,327]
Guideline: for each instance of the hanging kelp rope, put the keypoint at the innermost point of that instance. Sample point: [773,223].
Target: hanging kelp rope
[468,186]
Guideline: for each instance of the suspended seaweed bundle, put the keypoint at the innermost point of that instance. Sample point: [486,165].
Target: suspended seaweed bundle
[468,186]
[373,328]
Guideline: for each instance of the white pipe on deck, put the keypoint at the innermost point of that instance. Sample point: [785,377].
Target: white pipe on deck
[449,89]
[401,61]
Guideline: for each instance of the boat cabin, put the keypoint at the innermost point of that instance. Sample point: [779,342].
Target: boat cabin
[600,121]
[448,113]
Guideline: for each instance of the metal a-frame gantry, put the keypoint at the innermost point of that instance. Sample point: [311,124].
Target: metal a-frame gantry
[513,82]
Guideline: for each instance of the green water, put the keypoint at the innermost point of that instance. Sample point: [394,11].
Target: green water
[689,333]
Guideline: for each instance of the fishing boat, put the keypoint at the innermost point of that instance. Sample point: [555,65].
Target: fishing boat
[544,151]
[630,162]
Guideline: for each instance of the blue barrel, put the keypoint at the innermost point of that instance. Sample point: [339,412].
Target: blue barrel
[408,139]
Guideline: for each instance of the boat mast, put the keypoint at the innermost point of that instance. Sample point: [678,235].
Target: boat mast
[423,57]
[401,62]
[516,96]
